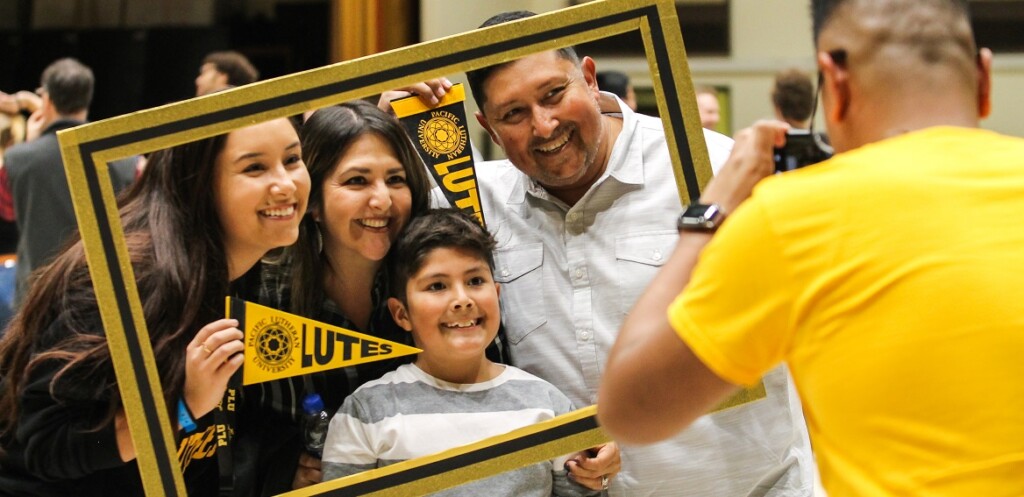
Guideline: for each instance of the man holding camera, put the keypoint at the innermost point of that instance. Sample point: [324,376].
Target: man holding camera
[887,277]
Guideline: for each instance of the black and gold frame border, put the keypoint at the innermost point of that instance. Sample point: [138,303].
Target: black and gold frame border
[88,149]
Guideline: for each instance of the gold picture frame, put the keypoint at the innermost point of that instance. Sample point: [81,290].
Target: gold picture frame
[89,148]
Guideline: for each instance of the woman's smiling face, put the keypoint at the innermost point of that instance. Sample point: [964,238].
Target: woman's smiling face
[261,187]
[366,200]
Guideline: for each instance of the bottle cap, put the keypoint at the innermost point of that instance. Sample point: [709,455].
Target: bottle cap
[312,404]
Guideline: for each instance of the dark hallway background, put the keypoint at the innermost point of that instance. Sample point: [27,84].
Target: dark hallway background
[138,68]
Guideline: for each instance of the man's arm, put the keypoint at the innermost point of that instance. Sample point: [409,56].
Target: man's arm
[653,384]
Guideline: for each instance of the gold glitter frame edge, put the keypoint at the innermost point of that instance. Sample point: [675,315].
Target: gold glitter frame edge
[87,150]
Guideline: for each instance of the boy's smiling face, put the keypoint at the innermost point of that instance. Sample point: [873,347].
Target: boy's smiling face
[452,311]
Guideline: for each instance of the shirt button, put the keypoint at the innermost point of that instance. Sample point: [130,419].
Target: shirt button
[573,217]
[584,335]
[579,273]
[656,255]
[505,272]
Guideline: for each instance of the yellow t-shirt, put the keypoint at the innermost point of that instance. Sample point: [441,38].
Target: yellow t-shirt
[891,280]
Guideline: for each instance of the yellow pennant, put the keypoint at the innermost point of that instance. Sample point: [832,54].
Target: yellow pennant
[280,345]
[442,141]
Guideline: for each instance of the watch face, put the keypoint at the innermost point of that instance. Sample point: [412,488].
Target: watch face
[696,211]
[699,217]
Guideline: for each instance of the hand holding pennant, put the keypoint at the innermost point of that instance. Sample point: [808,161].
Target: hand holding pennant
[440,136]
[280,345]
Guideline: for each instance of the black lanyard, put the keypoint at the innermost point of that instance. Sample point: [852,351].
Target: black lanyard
[224,426]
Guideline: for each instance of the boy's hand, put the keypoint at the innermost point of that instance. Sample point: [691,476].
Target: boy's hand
[594,468]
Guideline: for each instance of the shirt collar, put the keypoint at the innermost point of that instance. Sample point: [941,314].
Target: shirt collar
[61,123]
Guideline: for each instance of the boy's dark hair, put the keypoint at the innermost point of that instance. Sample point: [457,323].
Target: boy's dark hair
[439,228]
[235,65]
[478,77]
[69,84]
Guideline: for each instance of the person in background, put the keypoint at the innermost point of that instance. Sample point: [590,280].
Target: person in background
[618,83]
[195,224]
[793,98]
[708,107]
[443,293]
[903,331]
[221,70]
[584,214]
[9,135]
[33,187]
[368,183]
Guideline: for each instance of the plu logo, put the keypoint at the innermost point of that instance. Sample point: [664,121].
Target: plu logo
[273,340]
[442,135]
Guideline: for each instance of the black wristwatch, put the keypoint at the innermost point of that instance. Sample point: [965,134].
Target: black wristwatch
[701,218]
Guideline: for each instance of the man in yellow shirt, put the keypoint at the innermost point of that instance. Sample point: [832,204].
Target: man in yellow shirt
[888,278]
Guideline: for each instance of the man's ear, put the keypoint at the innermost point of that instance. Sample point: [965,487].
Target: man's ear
[984,82]
[399,313]
[836,81]
[589,69]
[487,126]
[497,289]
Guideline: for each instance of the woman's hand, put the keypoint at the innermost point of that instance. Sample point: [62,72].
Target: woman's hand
[308,473]
[595,468]
[211,358]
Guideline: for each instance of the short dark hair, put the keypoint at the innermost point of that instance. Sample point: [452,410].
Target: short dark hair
[823,10]
[235,65]
[793,94]
[69,84]
[439,228]
[613,81]
[479,77]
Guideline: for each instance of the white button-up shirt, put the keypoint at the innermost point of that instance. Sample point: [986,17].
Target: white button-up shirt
[569,275]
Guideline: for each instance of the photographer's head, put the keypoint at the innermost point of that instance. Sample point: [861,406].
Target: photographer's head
[892,66]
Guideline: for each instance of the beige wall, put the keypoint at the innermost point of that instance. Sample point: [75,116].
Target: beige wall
[766,36]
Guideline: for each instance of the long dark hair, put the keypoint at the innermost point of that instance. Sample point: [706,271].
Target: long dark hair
[174,242]
[326,136]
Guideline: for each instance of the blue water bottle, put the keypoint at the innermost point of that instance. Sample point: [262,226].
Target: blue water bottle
[315,421]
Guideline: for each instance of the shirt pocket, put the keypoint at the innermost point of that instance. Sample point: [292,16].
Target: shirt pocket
[638,257]
[519,271]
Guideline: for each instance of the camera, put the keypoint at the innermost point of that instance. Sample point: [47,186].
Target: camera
[802,148]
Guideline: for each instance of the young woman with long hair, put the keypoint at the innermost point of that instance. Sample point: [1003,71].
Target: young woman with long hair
[201,216]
